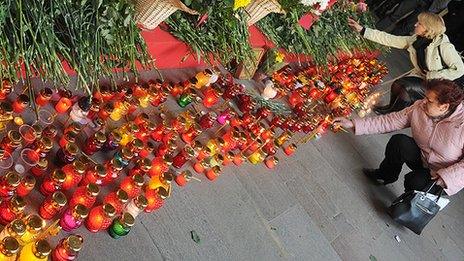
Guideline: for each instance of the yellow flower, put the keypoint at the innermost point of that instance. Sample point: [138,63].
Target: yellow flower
[279,57]
[241,3]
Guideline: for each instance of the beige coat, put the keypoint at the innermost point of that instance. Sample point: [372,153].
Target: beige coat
[455,65]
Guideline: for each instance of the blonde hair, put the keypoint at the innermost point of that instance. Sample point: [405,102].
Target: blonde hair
[433,23]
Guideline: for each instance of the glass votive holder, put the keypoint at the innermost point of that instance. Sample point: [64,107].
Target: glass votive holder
[28,158]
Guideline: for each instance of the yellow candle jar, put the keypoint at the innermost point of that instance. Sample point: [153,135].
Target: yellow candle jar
[256,157]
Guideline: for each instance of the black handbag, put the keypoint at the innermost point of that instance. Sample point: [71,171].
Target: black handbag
[414,209]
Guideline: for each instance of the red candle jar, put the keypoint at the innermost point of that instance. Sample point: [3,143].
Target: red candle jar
[11,141]
[11,209]
[213,172]
[269,148]
[147,149]
[50,131]
[105,112]
[52,205]
[182,157]
[100,218]
[239,159]
[183,177]
[142,166]
[228,158]
[290,149]
[9,183]
[271,162]
[94,175]
[268,134]
[26,185]
[158,133]
[113,169]
[190,134]
[94,143]
[39,169]
[132,185]
[200,166]
[44,96]
[206,121]
[74,173]
[155,198]
[69,137]
[211,97]
[85,195]
[68,248]
[203,153]
[63,105]
[117,199]
[21,103]
[158,166]
[53,182]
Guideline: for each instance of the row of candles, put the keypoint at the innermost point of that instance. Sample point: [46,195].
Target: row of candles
[157,151]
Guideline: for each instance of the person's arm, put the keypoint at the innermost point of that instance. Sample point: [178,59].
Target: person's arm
[453,177]
[454,66]
[384,123]
[400,42]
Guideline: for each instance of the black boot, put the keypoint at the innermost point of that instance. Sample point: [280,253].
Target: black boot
[398,105]
[373,176]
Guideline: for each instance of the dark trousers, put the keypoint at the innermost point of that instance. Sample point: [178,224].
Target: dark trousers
[402,149]
[405,7]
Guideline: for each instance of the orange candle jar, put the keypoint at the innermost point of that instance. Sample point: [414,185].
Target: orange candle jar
[155,198]
[21,103]
[239,159]
[290,149]
[211,97]
[85,195]
[44,96]
[213,172]
[100,218]
[52,204]
[26,185]
[63,105]
[271,162]
[132,185]
[74,173]
[117,199]
[200,166]
[228,158]
[94,175]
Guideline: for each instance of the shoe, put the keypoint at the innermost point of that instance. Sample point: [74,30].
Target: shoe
[371,174]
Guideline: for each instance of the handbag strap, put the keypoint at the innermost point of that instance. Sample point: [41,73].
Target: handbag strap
[440,192]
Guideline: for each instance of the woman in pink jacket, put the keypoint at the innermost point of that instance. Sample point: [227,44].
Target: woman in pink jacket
[436,149]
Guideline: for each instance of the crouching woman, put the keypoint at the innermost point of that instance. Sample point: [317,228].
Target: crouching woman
[435,150]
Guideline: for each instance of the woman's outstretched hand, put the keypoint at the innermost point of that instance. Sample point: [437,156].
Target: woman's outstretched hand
[343,122]
[354,25]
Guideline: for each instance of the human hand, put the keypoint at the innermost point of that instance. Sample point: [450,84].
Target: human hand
[343,122]
[354,25]
[439,181]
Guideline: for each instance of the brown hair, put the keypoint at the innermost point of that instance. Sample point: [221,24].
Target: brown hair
[433,23]
[447,92]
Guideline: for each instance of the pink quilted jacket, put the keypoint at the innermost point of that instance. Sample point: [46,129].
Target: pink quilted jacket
[441,143]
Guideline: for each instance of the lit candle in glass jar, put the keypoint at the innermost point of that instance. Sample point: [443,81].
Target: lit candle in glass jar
[63,105]
[68,248]
[35,251]
[52,204]
[21,103]
[100,218]
[44,97]
[73,217]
